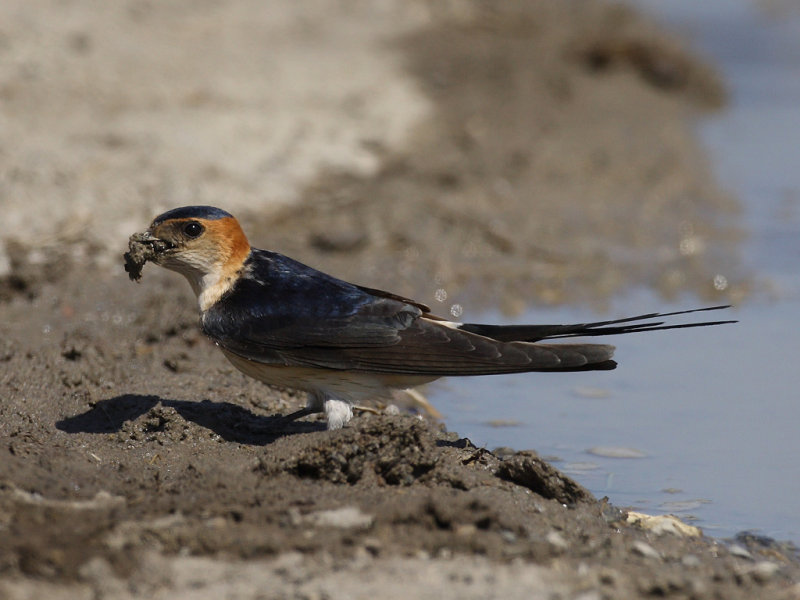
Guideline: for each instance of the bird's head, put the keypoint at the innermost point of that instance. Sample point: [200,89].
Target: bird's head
[203,243]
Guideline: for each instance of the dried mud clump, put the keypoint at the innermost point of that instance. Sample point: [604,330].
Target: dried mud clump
[530,471]
[141,248]
[395,451]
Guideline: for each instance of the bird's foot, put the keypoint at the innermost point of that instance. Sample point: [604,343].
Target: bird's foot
[338,412]
[421,402]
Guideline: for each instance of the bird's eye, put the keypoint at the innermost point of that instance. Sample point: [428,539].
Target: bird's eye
[193,229]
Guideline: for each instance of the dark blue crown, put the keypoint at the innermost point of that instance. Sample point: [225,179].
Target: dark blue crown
[193,212]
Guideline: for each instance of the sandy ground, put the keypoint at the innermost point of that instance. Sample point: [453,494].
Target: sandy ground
[456,152]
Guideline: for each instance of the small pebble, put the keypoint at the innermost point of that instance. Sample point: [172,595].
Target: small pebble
[556,540]
[645,550]
[508,536]
[608,576]
[691,561]
[764,570]
[737,550]
[503,451]
[466,530]
[343,518]
[373,544]
[663,524]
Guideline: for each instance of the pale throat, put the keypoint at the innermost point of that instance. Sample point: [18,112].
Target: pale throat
[214,286]
[209,287]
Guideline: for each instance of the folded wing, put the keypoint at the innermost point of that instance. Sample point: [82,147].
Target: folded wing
[286,313]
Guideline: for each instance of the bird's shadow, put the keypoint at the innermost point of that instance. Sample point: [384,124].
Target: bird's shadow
[231,422]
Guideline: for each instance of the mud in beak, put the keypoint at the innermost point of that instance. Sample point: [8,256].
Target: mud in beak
[143,247]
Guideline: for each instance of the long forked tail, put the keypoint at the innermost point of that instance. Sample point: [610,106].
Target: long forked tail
[535,333]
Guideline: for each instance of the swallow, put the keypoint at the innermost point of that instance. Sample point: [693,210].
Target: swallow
[287,324]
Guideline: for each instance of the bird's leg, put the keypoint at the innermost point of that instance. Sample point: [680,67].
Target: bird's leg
[298,414]
[338,412]
[421,402]
[314,404]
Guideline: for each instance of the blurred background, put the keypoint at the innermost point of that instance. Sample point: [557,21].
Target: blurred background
[702,423]
[533,161]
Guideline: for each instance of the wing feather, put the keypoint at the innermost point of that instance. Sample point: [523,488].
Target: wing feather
[282,312]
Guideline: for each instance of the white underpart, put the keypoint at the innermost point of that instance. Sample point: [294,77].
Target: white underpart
[329,391]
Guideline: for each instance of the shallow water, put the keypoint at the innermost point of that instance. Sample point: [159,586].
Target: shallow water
[712,414]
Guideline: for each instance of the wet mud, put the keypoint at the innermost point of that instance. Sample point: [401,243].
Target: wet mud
[136,463]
